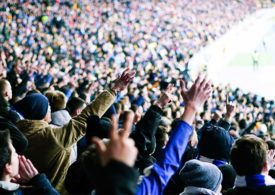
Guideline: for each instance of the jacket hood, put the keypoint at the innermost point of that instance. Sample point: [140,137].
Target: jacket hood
[60,117]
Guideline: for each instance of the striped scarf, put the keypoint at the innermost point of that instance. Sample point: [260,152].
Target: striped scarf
[257,180]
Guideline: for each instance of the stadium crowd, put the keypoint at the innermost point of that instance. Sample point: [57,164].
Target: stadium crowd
[96,98]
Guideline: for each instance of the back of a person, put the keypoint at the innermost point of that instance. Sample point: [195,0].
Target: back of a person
[251,160]
[46,153]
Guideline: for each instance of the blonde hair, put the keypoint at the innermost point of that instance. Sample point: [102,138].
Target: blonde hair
[57,100]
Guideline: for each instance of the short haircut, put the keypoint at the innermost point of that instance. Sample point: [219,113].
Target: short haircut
[75,103]
[57,100]
[3,86]
[248,155]
[5,151]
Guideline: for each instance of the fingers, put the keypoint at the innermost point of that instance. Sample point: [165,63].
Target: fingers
[204,83]
[271,153]
[34,170]
[100,146]
[182,85]
[198,80]
[124,72]
[24,164]
[113,134]
[127,75]
[127,126]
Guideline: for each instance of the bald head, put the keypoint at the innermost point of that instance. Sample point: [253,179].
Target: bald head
[5,89]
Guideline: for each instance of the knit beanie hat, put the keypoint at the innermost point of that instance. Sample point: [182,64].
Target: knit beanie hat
[201,174]
[229,175]
[33,107]
[215,142]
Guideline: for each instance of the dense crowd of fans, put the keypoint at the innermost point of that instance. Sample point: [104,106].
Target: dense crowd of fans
[87,127]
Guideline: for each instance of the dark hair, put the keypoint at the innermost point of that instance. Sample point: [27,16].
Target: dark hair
[5,151]
[270,144]
[248,155]
[160,136]
[73,104]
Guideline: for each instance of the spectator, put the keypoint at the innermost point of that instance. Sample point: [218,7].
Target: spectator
[58,141]
[11,165]
[75,106]
[196,176]
[57,101]
[250,159]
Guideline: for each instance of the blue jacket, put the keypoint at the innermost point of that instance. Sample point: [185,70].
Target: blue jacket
[168,163]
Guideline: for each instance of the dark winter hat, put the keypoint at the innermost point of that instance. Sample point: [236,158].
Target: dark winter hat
[33,107]
[201,174]
[215,142]
[229,175]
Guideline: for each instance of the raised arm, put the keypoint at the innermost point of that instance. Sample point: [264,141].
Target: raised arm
[171,156]
[70,133]
[146,128]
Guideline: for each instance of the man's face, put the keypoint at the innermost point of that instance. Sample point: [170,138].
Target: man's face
[14,162]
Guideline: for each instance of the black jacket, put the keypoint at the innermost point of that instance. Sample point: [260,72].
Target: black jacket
[117,179]
[144,136]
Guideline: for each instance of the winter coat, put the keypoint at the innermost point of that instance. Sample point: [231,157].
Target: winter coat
[144,137]
[169,161]
[120,179]
[50,148]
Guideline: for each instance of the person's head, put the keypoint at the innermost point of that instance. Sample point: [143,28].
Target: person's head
[57,100]
[215,142]
[9,162]
[75,106]
[5,89]
[248,156]
[202,175]
[34,107]
[162,137]
[229,176]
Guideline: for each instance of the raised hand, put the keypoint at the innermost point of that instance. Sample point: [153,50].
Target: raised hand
[122,81]
[194,97]
[270,158]
[230,109]
[26,171]
[165,97]
[198,93]
[120,147]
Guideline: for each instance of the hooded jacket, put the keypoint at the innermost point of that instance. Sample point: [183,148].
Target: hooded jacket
[50,148]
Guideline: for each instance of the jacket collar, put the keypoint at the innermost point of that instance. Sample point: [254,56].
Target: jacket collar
[9,186]
[31,126]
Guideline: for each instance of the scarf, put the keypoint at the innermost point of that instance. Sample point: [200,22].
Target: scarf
[197,190]
[257,180]
[218,163]
[9,186]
